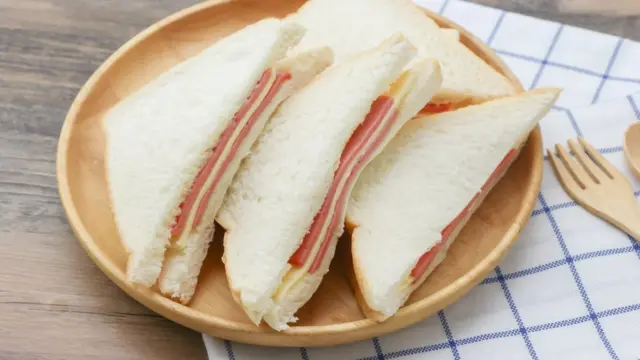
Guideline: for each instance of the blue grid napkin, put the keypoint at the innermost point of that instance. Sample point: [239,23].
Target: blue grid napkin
[570,287]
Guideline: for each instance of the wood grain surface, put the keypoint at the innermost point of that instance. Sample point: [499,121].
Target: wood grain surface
[54,302]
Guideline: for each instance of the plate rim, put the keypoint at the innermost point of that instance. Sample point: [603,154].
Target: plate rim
[297,335]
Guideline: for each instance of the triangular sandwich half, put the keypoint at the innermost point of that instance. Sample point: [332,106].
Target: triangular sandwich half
[413,199]
[350,26]
[173,146]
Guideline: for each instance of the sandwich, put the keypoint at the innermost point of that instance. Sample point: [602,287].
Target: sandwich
[173,146]
[286,206]
[350,26]
[412,200]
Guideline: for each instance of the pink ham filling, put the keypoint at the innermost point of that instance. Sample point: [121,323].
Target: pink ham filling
[189,202]
[427,258]
[359,149]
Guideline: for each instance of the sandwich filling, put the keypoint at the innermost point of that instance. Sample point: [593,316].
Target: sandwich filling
[365,142]
[436,108]
[195,204]
[427,258]
[360,148]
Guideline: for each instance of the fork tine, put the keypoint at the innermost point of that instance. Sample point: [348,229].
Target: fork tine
[594,171]
[604,164]
[566,178]
[574,168]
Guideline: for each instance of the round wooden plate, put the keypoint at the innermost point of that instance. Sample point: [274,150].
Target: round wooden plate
[332,316]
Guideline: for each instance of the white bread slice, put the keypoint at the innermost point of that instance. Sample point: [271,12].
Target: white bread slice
[158,138]
[423,179]
[182,264]
[451,34]
[281,185]
[349,26]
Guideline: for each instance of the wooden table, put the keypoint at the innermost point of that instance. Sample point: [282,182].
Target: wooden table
[54,303]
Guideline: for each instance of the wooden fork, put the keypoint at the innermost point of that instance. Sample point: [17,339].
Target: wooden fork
[597,185]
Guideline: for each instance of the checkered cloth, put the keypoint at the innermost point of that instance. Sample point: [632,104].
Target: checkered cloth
[570,287]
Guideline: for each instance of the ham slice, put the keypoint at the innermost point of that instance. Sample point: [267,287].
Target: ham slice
[339,214]
[427,258]
[226,148]
[425,261]
[500,170]
[433,108]
[360,148]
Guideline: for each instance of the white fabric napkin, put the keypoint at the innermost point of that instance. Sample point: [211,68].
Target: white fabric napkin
[570,287]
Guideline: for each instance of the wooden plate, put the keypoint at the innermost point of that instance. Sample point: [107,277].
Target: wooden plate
[332,316]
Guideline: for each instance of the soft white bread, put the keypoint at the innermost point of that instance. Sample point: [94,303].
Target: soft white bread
[184,260]
[423,179]
[158,138]
[281,185]
[349,26]
[451,34]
